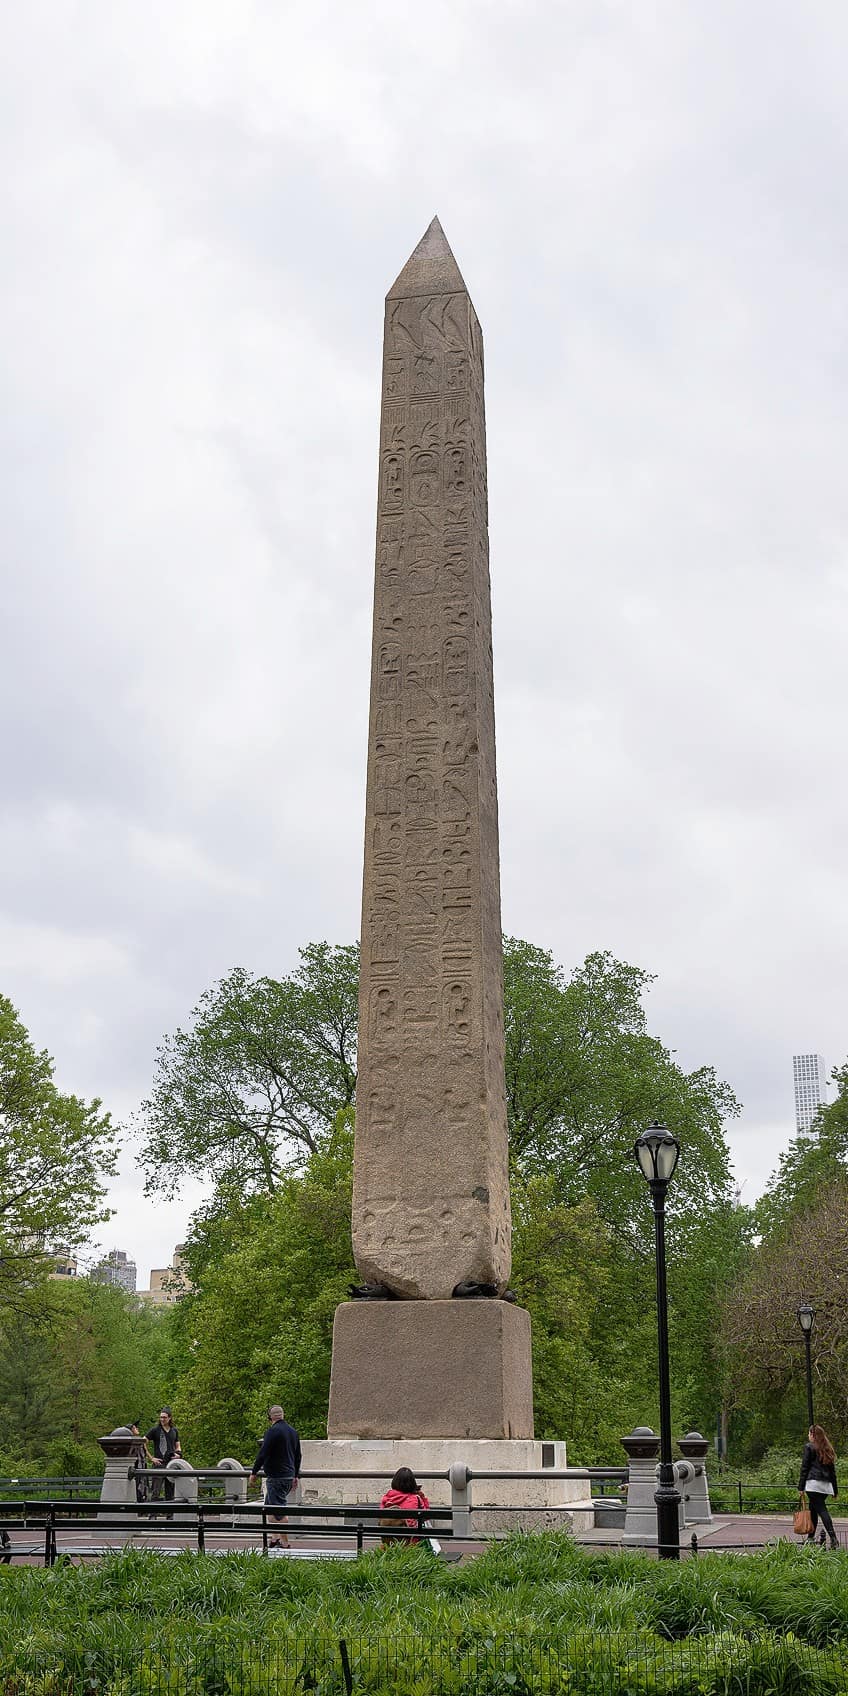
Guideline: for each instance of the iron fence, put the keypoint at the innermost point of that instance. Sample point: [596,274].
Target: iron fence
[57,1525]
[745,1497]
[584,1664]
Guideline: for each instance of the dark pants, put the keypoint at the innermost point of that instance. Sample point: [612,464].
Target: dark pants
[276,1496]
[161,1483]
[819,1510]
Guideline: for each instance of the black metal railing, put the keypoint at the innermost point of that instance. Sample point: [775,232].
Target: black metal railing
[256,1522]
[590,1663]
[737,1495]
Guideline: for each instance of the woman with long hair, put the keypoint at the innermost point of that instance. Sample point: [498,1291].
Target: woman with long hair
[818,1478]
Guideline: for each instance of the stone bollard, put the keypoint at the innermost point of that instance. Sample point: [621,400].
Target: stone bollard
[234,1479]
[460,1483]
[693,1448]
[184,1479]
[122,1449]
[684,1478]
[640,1520]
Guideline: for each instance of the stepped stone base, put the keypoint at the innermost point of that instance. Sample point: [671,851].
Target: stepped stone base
[421,1369]
[497,1505]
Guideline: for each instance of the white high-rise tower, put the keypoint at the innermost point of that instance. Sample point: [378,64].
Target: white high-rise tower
[808,1071]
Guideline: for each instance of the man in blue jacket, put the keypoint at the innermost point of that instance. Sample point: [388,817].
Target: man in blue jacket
[279,1459]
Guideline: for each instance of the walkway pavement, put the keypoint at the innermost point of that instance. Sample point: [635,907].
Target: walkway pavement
[726,1531]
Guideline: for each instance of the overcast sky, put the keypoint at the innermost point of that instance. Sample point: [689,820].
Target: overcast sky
[203,204]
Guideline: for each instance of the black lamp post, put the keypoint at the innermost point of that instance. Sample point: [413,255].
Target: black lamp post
[806,1315]
[657,1152]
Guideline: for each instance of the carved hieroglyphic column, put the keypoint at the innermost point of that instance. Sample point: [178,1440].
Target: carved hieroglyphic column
[431,1193]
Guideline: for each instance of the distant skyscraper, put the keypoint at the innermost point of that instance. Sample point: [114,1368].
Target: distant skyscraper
[116,1268]
[808,1071]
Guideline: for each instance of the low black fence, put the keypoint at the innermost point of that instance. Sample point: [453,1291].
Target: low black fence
[588,1664]
[56,1526]
[736,1495]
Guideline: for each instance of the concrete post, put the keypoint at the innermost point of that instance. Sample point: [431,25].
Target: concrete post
[694,1448]
[184,1479]
[234,1480]
[640,1520]
[460,1483]
[684,1474]
[122,1448]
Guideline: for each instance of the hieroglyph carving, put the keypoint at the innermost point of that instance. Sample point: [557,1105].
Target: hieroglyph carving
[431,1199]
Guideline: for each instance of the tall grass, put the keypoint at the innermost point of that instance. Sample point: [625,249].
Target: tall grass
[533,1586]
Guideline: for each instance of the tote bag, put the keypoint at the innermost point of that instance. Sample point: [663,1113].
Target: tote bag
[802,1519]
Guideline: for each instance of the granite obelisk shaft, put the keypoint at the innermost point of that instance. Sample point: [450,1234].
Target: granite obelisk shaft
[431,1190]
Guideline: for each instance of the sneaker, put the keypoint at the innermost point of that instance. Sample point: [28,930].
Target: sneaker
[834,1542]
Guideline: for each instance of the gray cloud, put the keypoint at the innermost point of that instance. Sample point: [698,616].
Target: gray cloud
[201,213]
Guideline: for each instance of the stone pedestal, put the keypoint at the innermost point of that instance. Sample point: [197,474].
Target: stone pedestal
[415,1370]
[640,1521]
[497,1504]
[122,1449]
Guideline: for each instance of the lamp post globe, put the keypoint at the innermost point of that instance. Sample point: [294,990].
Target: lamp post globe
[806,1315]
[656,1153]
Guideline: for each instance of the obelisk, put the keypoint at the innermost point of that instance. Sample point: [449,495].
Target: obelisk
[431,1217]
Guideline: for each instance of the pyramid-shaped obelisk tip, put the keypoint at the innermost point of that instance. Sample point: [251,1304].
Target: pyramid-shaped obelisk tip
[431,269]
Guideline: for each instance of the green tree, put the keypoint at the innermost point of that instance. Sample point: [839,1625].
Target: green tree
[55,1152]
[254,1084]
[269,1273]
[805,1261]
[563,1272]
[814,1159]
[270,1254]
[85,1358]
[584,1077]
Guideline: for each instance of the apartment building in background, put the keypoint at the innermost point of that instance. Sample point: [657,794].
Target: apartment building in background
[116,1268]
[167,1283]
[64,1261]
[808,1071]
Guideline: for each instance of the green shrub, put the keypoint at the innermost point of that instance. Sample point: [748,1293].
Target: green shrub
[533,1616]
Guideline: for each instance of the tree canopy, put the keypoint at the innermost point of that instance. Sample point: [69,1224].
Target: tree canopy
[55,1152]
[253,1086]
[584,1077]
[87,1357]
[797,1255]
[257,1093]
[814,1159]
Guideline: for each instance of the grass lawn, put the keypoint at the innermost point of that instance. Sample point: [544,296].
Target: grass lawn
[535,1614]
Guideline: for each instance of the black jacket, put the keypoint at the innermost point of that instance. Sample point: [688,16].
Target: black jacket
[279,1452]
[814,1469]
[160,1439]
